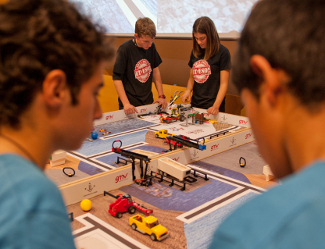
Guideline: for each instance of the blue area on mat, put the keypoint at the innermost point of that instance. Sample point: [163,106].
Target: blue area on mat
[181,201]
[99,145]
[112,158]
[89,169]
[199,233]
[221,171]
[157,190]
[122,126]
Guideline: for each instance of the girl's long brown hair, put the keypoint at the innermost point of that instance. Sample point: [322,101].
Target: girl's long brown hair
[205,25]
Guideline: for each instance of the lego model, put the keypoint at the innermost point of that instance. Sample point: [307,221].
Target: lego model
[177,173]
[71,172]
[163,134]
[175,97]
[199,118]
[124,203]
[242,162]
[58,158]
[149,225]
[175,169]
[160,111]
[174,143]
[157,111]
[268,173]
[185,141]
[169,119]
[132,155]
[145,114]
[178,111]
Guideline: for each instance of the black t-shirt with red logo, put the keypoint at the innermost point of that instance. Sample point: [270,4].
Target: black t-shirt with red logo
[207,78]
[133,66]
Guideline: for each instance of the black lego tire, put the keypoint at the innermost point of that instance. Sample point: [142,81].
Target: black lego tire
[131,210]
[134,226]
[119,215]
[153,237]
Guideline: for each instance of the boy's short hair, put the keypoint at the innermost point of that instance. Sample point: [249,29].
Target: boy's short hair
[37,36]
[145,26]
[290,35]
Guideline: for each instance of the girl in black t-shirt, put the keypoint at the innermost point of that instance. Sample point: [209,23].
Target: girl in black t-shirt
[210,67]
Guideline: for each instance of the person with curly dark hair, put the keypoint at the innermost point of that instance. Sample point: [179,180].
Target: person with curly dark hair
[51,65]
[279,70]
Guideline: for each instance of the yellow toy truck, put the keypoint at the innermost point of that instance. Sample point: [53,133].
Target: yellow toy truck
[149,225]
[163,133]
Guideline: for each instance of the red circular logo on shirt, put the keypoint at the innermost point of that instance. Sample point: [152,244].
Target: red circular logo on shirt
[142,70]
[201,71]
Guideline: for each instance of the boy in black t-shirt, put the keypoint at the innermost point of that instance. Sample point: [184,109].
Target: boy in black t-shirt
[136,66]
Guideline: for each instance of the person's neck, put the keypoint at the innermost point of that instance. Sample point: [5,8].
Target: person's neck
[305,136]
[135,42]
[26,143]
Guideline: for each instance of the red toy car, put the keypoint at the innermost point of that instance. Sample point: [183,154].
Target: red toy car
[124,203]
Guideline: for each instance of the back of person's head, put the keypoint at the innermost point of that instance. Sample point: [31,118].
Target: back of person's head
[145,26]
[37,36]
[290,35]
[205,25]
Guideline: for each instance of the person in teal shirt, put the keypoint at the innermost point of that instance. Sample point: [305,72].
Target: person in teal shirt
[279,71]
[51,64]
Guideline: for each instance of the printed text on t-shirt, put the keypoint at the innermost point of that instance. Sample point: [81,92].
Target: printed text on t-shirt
[201,71]
[142,70]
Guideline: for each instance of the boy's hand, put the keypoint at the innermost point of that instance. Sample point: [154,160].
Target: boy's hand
[162,102]
[130,109]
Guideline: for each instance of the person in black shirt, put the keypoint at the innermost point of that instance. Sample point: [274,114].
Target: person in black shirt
[210,67]
[136,66]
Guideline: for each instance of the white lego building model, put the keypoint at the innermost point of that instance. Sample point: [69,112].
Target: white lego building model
[58,158]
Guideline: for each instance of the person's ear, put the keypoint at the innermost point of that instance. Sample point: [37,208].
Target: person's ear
[55,88]
[270,78]
[136,36]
